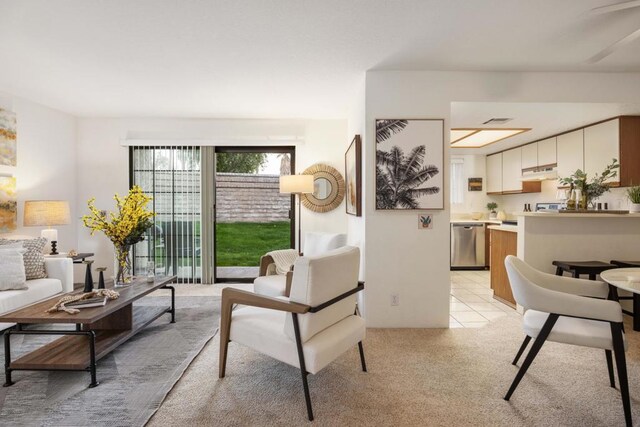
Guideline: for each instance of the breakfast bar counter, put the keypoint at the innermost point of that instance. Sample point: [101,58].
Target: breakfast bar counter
[545,237]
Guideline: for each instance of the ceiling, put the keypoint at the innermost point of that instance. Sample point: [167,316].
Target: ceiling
[544,119]
[281,58]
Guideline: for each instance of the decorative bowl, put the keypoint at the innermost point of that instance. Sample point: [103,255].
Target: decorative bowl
[476,215]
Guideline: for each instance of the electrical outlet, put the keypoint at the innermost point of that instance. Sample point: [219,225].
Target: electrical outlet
[395,299]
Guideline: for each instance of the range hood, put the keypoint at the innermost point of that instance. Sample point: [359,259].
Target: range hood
[539,174]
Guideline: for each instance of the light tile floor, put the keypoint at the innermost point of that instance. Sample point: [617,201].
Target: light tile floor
[472,302]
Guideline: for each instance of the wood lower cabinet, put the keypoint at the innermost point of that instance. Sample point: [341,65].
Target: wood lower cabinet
[503,243]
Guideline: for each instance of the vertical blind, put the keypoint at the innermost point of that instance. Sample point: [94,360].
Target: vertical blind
[172,176]
[457,180]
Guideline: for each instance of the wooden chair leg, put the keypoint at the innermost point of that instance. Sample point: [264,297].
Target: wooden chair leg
[225,328]
[576,275]
[535,348]
[559,271]
[612,379]
[524,345]
[362,361]
[621,363]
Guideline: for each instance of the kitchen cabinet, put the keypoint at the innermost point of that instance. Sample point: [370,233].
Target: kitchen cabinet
[503,243]
[504,173]
[601,146]
[547,152]
[570,151]
[530,156]
[494,174]
[512,170]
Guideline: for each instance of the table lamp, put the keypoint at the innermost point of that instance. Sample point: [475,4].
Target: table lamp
[45,213]
[297,184]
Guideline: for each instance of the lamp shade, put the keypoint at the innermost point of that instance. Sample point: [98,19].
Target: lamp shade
[46,212]
[296,184]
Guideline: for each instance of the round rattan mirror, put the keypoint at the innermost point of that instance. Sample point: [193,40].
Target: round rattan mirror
[329,188]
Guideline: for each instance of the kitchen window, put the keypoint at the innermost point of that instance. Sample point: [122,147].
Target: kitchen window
[457,181]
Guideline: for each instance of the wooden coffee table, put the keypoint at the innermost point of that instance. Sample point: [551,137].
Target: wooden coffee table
[98,330]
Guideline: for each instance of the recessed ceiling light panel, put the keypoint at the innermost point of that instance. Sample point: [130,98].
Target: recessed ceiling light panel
[497,121]
[477,138]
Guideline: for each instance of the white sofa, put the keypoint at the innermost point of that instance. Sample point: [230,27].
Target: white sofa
[59,280]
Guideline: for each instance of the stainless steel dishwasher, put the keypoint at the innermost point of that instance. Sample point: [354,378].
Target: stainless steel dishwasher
[467,245]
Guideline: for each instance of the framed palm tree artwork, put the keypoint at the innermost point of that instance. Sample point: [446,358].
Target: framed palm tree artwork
[409,164]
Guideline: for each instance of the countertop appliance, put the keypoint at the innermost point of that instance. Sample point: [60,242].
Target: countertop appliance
[467,245]
[549,207]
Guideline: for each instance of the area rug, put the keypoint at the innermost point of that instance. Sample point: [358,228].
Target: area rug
[417,377]
[134,379]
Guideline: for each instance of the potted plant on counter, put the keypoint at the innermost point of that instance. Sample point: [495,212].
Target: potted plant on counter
[591,191]
[634,198]
[492,206]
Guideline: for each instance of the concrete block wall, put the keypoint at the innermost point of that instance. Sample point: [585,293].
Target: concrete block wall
[250,198]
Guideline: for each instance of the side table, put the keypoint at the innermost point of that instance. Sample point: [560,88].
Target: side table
[76,259]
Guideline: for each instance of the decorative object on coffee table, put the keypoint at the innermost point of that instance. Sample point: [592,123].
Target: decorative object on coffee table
[88,277]
[124,228]
[101,277]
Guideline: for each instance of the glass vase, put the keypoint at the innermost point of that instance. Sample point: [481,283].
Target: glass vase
[123,274]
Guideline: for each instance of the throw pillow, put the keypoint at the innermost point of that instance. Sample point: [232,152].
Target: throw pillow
[33,258]
[12,275]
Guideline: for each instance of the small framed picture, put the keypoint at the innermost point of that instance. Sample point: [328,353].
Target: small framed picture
[475,184]
[425,221]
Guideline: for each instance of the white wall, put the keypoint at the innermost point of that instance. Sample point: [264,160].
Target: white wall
[416,264]
[474,201]
[46,168]
[103,167]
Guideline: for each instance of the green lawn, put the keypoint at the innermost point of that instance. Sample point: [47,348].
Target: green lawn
[241,244]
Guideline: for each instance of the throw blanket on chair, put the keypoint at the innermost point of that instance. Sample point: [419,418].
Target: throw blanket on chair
[283,259]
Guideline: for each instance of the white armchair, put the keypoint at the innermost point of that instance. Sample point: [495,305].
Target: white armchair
[566,310]
[311,328]
[315,243]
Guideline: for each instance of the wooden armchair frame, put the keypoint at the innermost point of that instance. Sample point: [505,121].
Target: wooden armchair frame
[267,260]
[231,297]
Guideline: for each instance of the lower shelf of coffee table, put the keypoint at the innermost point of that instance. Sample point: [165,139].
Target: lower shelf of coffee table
[71,352]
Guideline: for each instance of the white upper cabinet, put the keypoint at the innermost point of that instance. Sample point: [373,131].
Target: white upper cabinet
[530,155]
[547,152]
[601,146]
[570,153]
[512,170]
[494,173]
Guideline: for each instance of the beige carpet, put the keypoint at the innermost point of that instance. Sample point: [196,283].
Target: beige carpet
[434,377]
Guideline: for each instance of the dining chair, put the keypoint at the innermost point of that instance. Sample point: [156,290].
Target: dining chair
[570,311]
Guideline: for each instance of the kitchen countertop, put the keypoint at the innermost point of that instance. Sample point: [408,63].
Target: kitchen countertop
[476,221]
[577,215]
[510,228]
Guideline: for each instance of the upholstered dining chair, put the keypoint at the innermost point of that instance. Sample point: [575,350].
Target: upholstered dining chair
[270,283]
[308,330]
[570,311]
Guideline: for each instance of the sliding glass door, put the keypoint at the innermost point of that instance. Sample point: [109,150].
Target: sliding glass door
[251,216]
[172,176]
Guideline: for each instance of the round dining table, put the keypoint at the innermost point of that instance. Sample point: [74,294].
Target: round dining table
[626,279]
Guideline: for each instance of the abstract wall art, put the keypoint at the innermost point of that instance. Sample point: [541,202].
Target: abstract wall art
[8,138]
[8,204]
